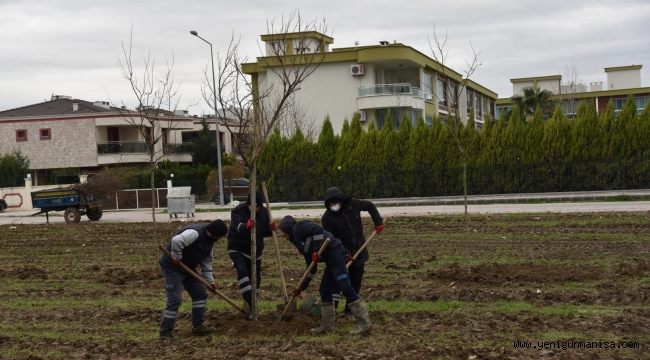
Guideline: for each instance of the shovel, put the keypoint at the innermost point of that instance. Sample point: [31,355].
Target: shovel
[304,277]
[205,282]
[363,247]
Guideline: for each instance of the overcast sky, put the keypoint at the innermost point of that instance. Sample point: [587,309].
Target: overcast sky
[72,47]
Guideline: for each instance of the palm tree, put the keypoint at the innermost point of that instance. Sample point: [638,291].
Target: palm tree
[533,98]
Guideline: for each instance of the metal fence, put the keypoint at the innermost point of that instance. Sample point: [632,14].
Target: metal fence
[135,199]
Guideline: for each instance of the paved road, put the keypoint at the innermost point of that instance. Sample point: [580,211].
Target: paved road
[212,212]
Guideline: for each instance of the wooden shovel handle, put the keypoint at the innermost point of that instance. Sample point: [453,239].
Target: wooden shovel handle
[304,276]
[202,280]
[363,247]
[275,243]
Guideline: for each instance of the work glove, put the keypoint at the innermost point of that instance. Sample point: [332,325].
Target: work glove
[176,262]
[213,287]
[274,227]
[250,224]
[379,228]
[348,258]
[314,256]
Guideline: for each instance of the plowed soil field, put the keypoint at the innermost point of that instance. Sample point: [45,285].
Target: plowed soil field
[499,287]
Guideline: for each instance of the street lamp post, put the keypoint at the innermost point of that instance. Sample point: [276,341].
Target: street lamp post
[216,119]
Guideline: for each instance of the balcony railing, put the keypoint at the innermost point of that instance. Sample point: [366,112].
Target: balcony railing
[121,147]
[390,89]
[184,148]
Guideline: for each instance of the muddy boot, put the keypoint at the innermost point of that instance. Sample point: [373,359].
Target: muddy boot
[202,330]
[167,325]
[327,319]
[360,312]
[248,313]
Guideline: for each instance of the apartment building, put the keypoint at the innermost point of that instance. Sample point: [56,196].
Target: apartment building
[372,81]
[67,137]
[622,82]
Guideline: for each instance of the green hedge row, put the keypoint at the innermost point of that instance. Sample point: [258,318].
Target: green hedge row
[512,154]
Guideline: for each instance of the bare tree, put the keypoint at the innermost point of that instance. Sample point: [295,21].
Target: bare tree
[571,84]
[157,96]
[257,105]
[297,118]
[453,92]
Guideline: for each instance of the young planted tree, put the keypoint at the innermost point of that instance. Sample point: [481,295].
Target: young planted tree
[453,91]
[156,94]
[258,105]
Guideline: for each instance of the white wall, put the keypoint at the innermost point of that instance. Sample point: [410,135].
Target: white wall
[623,79]
[330,90]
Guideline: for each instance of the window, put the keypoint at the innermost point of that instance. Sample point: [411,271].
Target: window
[442,94]
[479,106]
[453,93]
[46,134]
[470,101]
[21,135]
[427,87]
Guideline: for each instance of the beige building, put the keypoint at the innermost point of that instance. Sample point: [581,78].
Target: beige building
[622,82]
[372,81]
[67,137]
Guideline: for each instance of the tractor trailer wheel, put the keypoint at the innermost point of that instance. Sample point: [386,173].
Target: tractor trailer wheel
[72,215]
[94,214]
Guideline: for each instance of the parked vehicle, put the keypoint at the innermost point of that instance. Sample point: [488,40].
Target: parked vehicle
[74,203]
[3,205]
[234,189]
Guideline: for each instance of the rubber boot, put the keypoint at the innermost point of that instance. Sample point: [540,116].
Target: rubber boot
[248,313]
[327,319]
[360,312]
[167,328]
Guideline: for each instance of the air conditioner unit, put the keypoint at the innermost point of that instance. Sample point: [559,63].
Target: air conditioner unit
[362,116]
[356,69]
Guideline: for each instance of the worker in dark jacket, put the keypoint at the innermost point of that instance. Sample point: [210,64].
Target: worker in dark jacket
[308,238]
[239,244]
[191,245]
[343,219]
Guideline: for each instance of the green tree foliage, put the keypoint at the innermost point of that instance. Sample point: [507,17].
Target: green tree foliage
[204,148]
[515,153]
[13,168]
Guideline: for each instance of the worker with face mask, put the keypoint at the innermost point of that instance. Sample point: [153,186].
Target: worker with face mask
[343,219]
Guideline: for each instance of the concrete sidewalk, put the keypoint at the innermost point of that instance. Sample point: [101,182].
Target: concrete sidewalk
[315,212]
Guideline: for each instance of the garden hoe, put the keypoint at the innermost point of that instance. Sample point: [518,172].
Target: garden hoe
[205,282]
[277,253]
[302,280]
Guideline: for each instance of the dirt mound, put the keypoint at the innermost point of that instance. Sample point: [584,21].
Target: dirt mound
[120,276]
[638,267]
[495,274]
[24,272]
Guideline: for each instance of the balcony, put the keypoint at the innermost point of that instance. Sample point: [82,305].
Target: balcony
[390,89]
[184,148]
[390,95]
[122,147]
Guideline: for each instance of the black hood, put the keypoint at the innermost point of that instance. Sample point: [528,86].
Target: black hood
[335,193]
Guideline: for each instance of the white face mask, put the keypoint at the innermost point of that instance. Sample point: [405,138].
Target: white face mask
[335,207]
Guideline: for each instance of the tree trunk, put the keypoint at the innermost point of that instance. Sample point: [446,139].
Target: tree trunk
[153,196]
[465,190]
[253,206]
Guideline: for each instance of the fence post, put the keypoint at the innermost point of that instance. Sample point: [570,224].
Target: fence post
[137,199]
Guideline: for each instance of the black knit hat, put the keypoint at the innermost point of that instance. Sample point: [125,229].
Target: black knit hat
[287,223]
[259,199]
[217,228]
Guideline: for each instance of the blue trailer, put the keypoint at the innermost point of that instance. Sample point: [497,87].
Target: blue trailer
[73,202]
